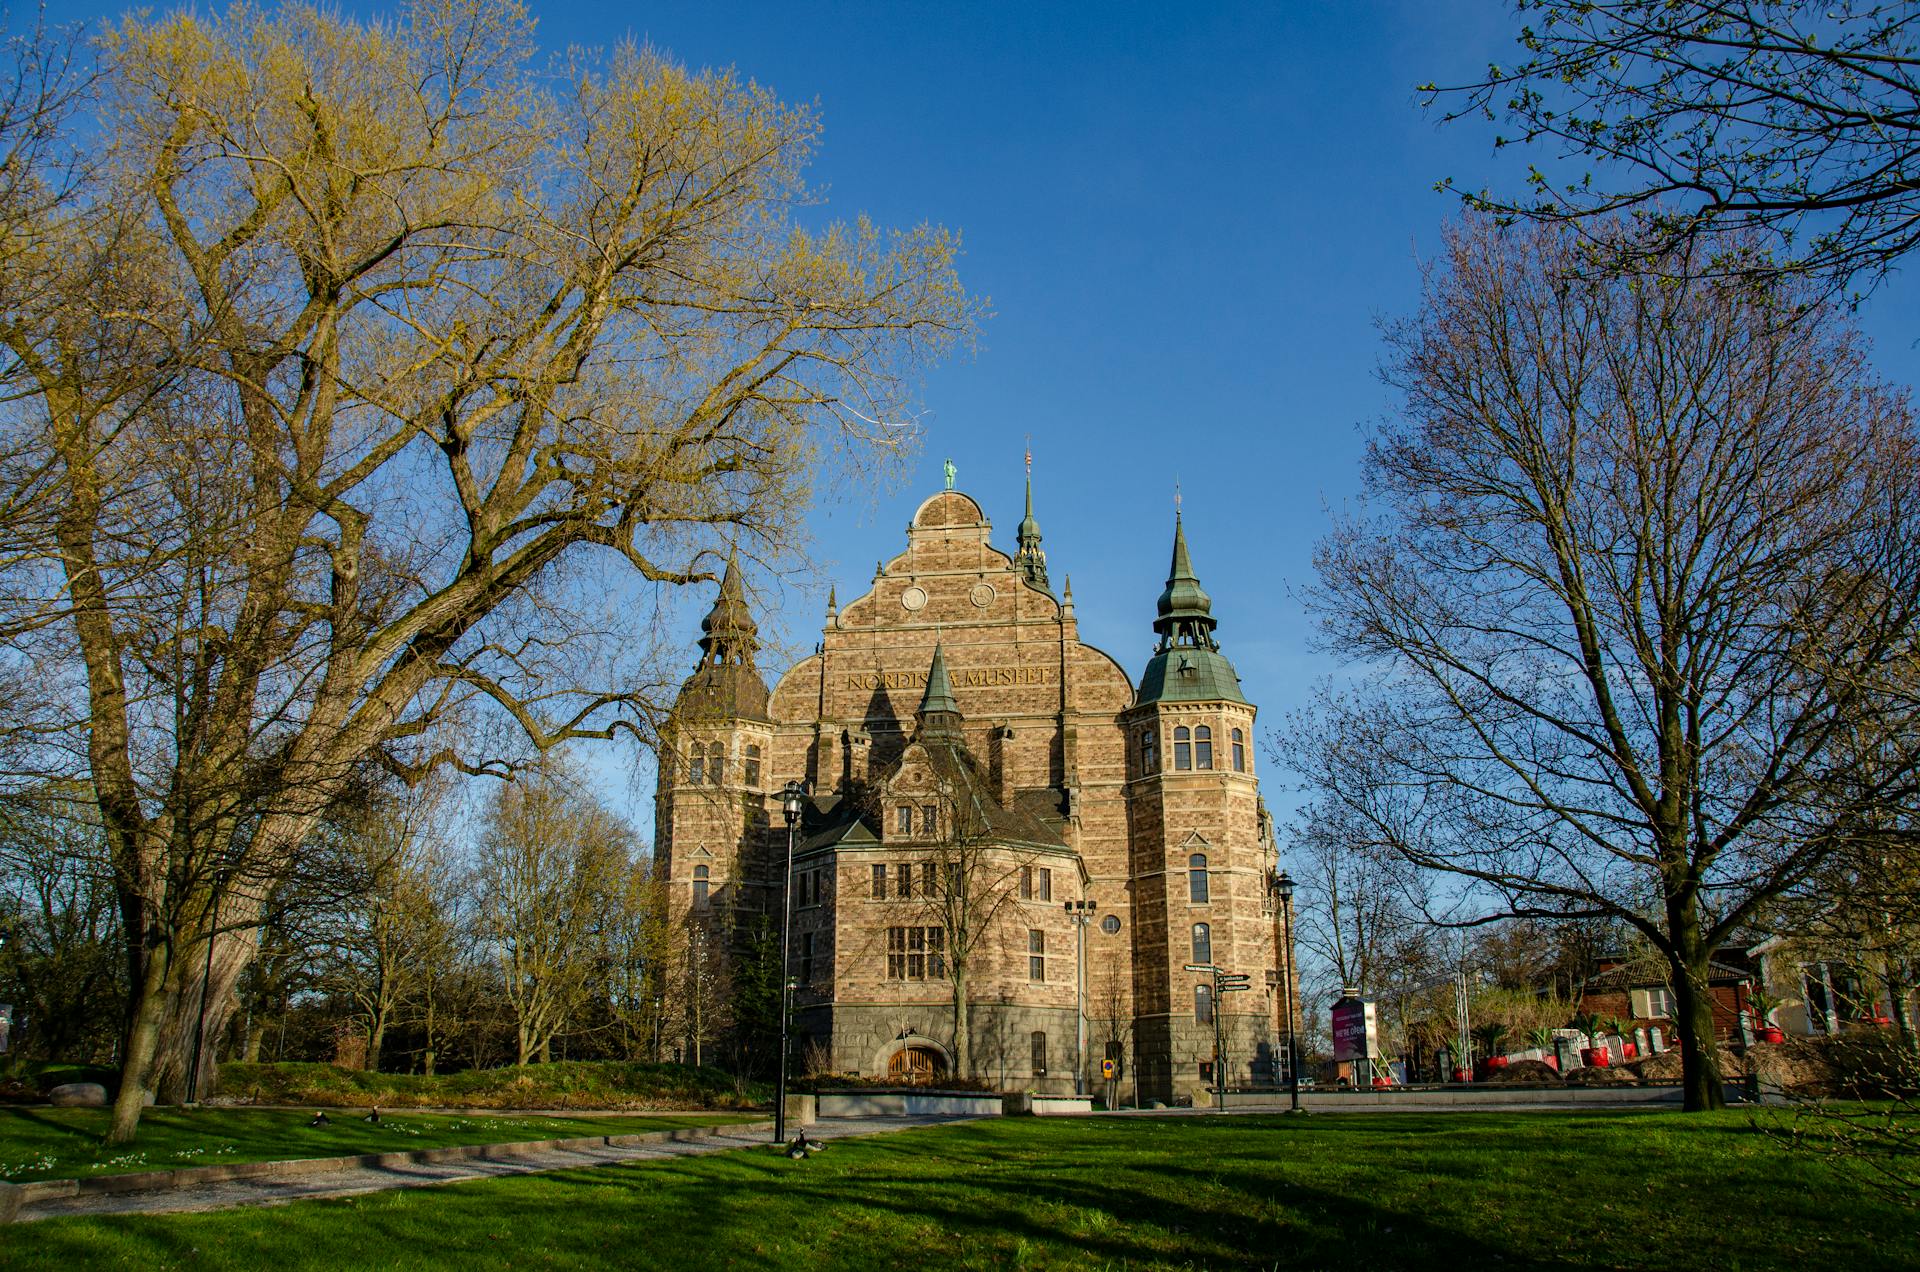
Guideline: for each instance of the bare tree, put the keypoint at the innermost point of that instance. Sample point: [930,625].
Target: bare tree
[389,928]
[446,352]
[1642,575]
[548,871]
[971,877]
[1715,121]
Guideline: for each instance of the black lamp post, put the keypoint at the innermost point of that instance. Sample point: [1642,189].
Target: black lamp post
[1283,889]
[791,799]
[1080,913]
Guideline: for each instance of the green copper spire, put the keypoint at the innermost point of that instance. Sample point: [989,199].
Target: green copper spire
[728,633]
[1187,665]
[939,710]
[1030,560]
[1184,602]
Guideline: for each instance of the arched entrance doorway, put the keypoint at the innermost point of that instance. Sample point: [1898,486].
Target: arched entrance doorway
[916,1064]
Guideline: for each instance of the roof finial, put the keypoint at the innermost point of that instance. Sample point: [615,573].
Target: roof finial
[1176,496]
[1029,455]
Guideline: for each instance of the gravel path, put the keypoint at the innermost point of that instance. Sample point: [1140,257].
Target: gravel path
[352,1182]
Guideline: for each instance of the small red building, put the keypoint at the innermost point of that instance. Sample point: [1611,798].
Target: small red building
[1640,994]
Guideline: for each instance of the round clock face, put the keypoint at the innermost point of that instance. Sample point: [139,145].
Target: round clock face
[982,595]
[914,598]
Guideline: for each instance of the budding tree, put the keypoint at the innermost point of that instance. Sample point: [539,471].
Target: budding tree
[383,368]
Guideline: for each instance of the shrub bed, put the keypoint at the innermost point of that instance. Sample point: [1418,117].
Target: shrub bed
[568,1084]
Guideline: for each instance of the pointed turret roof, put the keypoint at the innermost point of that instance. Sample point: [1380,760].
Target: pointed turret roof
[1030,560]
[1184,598]
[939,713]
[1187,664]
[726,683]
[728,627]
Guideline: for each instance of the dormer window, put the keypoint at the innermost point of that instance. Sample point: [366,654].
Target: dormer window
[1182,748]
[903,819]
[1239,751]
[1203,747]
[697,764]
[751,767]
[1149,752]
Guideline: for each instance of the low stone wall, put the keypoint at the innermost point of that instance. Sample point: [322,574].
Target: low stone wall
[906,1104]
[1022,1103]
[1324,1100]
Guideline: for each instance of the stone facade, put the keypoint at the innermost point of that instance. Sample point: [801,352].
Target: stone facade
[971,768]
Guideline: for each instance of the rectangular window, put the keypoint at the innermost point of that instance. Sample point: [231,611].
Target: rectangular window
[1026,883]
[1203,1004]
[806,959]
[1036,954]
[916,953]
[903,882]
[929,819]
[879,883]
[1039,1045]
[1046,884]
[926,879]
[903,819]
[1660,1003]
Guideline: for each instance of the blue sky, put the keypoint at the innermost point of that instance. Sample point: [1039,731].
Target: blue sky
[1188,219]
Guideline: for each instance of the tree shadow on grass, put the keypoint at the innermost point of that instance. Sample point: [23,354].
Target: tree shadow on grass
[963,1196]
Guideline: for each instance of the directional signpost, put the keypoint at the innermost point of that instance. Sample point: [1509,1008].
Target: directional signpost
[1224,982]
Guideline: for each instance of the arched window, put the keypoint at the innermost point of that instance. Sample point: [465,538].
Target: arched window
[1149,751]
[700,887]
[1039,1042]
[1197,878]
[697,764]
[716,763]
[751,774]
[1182,748]
[1203,1004]
[1239,751]
[1202,943]
[1203,747]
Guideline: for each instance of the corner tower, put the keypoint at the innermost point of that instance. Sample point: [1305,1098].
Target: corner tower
[710,813]
[1200,859]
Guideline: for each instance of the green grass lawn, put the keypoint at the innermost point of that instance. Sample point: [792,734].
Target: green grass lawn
[43,1143]
[1428,1191]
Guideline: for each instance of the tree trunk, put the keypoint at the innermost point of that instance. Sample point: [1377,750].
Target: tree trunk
[376,1036]
[962,1029]
[1701,1081]
[143,1033]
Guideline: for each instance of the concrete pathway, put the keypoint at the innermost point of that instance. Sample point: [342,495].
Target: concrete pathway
[358,1180]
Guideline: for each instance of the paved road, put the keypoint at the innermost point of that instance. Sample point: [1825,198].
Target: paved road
[362,1179]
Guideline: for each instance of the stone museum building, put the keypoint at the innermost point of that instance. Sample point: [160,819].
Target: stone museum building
[992,806]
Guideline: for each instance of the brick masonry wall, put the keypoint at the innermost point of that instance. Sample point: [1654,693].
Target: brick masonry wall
[1017,663]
